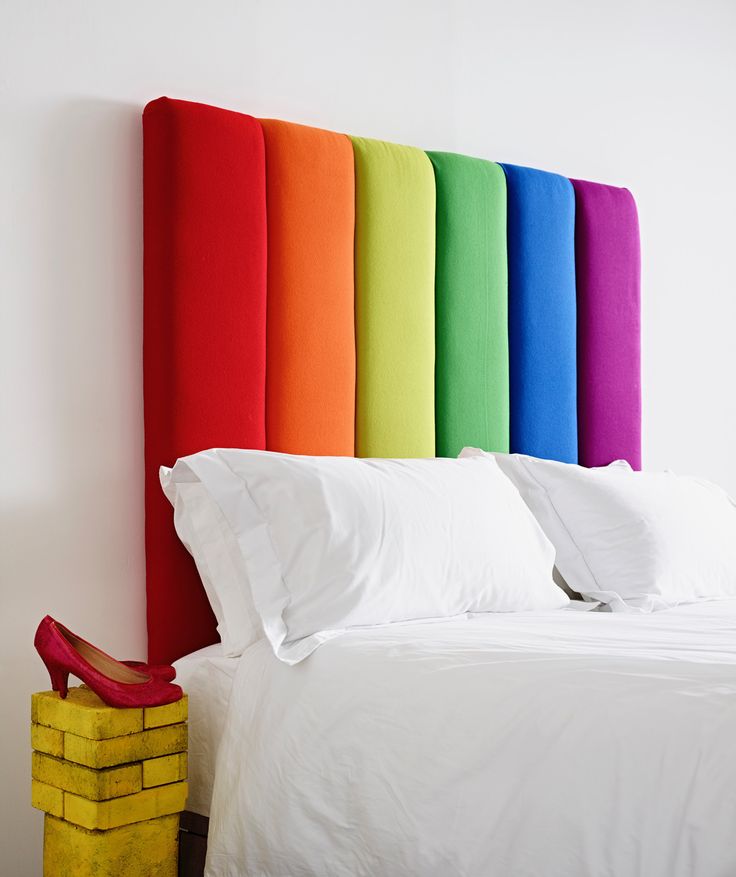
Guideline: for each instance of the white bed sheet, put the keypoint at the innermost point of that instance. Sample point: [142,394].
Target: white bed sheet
[557,744]
[207,677]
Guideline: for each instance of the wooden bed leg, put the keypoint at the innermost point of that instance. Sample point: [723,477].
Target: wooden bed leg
[193,830]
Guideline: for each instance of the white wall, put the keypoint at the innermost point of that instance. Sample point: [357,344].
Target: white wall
[631,93]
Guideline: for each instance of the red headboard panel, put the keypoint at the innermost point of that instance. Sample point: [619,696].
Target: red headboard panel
[204,342]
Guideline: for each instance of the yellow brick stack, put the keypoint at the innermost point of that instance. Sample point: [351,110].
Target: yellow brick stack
[111,782]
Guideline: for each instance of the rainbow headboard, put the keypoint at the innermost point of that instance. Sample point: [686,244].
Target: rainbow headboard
[310,292]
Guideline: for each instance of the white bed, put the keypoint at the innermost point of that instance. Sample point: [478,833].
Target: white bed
[557,744]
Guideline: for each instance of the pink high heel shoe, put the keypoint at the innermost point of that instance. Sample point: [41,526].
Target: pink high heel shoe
[160,671]
[116,683]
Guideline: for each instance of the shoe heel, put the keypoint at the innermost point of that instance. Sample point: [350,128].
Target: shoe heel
[59,681]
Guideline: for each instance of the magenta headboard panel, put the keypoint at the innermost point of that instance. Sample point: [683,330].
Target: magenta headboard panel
[607,268]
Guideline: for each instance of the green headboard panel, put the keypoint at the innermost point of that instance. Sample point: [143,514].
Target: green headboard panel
[471,305]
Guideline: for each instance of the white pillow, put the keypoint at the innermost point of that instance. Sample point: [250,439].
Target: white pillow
[206,535]
[329,543]
[638,541]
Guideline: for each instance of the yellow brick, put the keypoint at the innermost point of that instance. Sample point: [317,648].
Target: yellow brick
[47,740]
[47,798]
[148,804]
[168,769]
[169,714]
[98,785]
[122,750]
[84,714]
[146,848]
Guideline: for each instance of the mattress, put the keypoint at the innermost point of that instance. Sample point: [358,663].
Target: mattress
[566,743]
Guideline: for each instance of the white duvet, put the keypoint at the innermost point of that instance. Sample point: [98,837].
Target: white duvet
[558,744]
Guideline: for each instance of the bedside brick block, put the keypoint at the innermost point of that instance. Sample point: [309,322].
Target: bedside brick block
[120,750]
[84,714]
[145,848]
[111,783]
[168,769]
[47,740]
[47,798]
[97,785]
[169,714]
[148,804]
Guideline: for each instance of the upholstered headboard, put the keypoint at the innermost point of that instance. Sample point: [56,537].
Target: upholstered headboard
[310,292]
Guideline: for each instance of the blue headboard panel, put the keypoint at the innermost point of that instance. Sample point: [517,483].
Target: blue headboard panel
[542,314]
